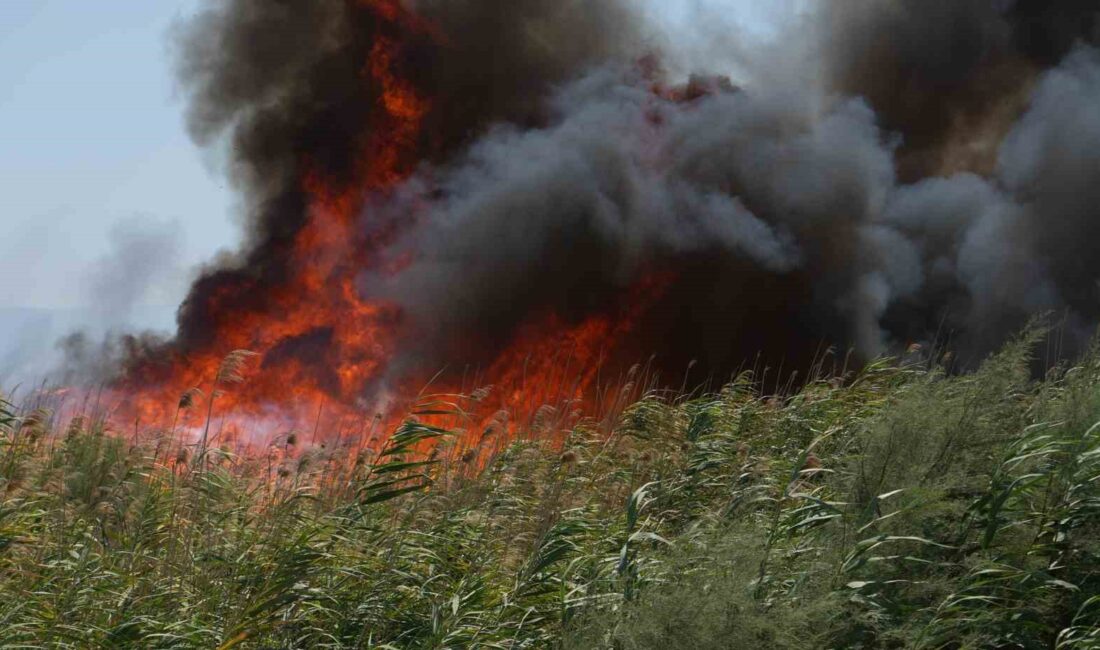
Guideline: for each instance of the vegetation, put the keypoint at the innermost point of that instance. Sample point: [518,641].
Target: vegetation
[901,507]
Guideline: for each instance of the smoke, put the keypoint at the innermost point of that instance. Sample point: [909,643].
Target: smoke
[841,201]
[282,86]
[142,267]
[564,219]
[1002,247]
[123,290]
[950,75]
[141,264]
[880,172]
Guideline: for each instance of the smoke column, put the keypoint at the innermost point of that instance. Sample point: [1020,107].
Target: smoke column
[926,168]
[884,171]
[284,83]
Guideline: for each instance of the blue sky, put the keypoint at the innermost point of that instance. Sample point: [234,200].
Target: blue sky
[91,135]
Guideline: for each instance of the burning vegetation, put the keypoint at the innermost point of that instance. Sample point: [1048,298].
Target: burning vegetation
[517,195]
[509,202]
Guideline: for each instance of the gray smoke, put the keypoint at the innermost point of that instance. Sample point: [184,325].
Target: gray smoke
[829,215]
[142,262]
[567,217]
[285,87]
[884,171]
[124,290]
[950,75]
[140,268]
[1000,248]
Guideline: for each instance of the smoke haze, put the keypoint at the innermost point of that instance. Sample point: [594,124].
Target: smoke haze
[125,288]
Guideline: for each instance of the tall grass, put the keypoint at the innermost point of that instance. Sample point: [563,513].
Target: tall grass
[900,507]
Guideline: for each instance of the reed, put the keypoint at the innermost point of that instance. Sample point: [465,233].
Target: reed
[901,506]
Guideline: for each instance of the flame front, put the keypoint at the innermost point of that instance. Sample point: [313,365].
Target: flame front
[321,348]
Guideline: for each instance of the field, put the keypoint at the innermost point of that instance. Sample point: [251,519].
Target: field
[898,507]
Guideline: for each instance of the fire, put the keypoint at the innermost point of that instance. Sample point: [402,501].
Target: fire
[321,348]
[317,341]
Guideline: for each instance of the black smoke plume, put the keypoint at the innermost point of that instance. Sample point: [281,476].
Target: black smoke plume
[281,84]
[887,171]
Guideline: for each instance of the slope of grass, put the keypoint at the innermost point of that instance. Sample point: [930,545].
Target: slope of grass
[901,508]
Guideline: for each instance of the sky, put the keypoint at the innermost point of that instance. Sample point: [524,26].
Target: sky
[93,138]
[93,149]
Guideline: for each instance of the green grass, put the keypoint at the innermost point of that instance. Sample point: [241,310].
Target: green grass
[900,508]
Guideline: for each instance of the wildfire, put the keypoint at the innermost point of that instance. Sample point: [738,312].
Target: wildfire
[320,347]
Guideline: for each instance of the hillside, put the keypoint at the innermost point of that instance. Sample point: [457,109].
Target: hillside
[899,507]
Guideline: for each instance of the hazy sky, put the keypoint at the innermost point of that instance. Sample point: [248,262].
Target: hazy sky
[91,137]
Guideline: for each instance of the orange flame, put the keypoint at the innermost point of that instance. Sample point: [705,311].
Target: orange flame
[320,344]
